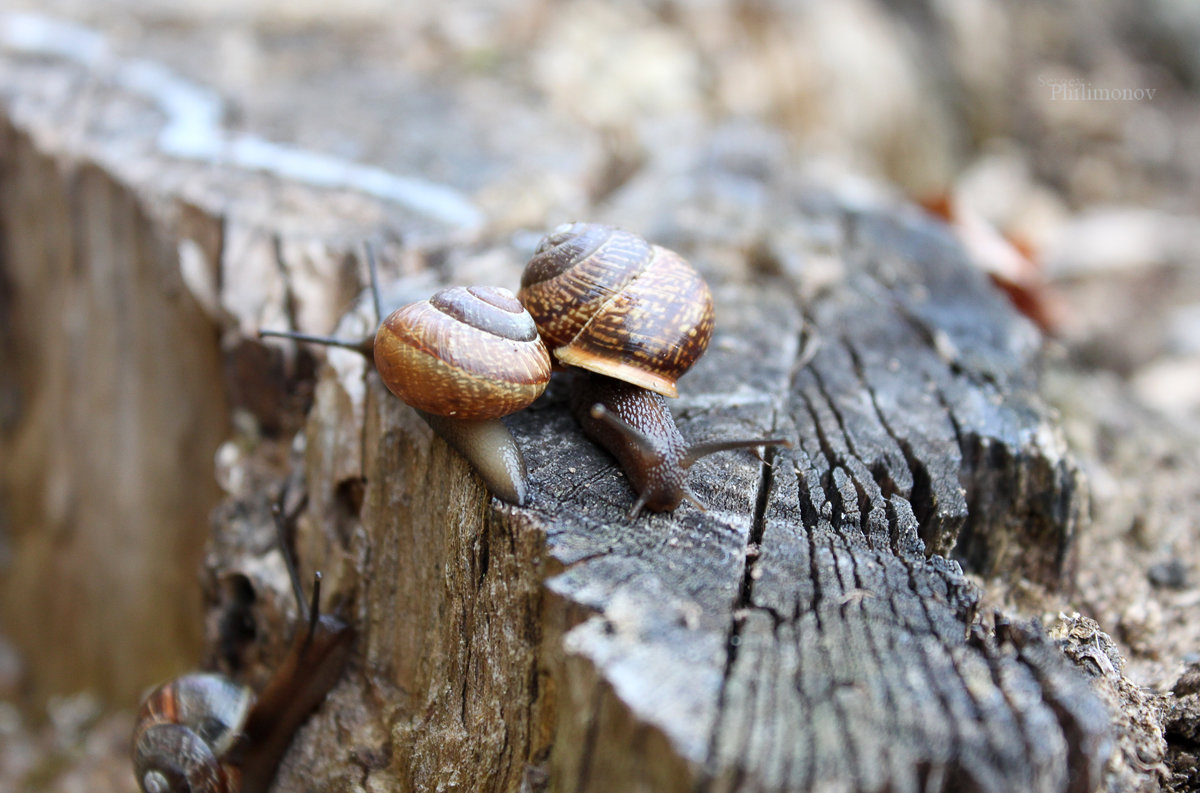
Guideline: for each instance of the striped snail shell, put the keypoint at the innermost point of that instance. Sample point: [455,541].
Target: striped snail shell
[186,728]
[467,352]
[607,301]
[635,316]
[205,733]
[462,359]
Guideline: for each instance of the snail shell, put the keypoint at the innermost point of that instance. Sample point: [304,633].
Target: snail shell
[635,316]
[607,301]
[186,728]
[462,359]
[204,733]
[466,352]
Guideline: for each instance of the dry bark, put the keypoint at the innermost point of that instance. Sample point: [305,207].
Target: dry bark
[798,634]
[106,357]
[812,630]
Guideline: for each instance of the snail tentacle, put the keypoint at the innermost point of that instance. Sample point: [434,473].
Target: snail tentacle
[205,733]
[632,318]
[462,359]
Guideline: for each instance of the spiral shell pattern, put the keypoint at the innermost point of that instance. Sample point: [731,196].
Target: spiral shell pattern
[467,352]
[183,731]
[607,301]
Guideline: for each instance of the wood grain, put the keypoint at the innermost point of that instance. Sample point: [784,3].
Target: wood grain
[812,630]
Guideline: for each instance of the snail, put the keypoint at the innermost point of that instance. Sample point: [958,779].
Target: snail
[205,733]
[635,317]
[461,359]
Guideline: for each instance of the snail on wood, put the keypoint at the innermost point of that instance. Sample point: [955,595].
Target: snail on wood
[635,316]
[205,733]
[462,359]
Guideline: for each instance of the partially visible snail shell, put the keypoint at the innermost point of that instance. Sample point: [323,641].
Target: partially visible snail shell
[466,352]
[186,728]
[607,301]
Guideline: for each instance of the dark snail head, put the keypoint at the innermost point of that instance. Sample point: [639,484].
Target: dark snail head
[607,301]
[637,428]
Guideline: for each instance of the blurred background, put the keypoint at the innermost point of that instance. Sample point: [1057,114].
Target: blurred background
[1071,127]
[1061,138]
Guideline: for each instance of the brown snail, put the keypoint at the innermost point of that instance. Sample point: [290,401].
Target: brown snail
[607,301]
[462,359]
[205,733]
[636,316]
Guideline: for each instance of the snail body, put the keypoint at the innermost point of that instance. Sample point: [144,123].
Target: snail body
[462,359]
[636,317]
[490,449]
[205,733]
[636,427]
[653,455]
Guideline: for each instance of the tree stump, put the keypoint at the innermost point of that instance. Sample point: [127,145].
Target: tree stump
[812,630]
[797,635]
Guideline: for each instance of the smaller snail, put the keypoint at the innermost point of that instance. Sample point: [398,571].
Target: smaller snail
[461,359]
[635,316]
[204,733]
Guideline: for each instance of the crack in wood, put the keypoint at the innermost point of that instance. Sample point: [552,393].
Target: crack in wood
[1083,721]
[998,674]
[920,496]
[827,463]
[588,750]
[832,404]
[804,638]
[845,681]
[745,595]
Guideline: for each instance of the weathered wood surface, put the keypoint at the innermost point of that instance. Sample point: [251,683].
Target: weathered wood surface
[131,285]
[798,635]
[100,347]
[794,636]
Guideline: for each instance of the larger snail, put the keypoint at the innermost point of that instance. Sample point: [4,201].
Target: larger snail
[635,316]
[205,733]
[462,359]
